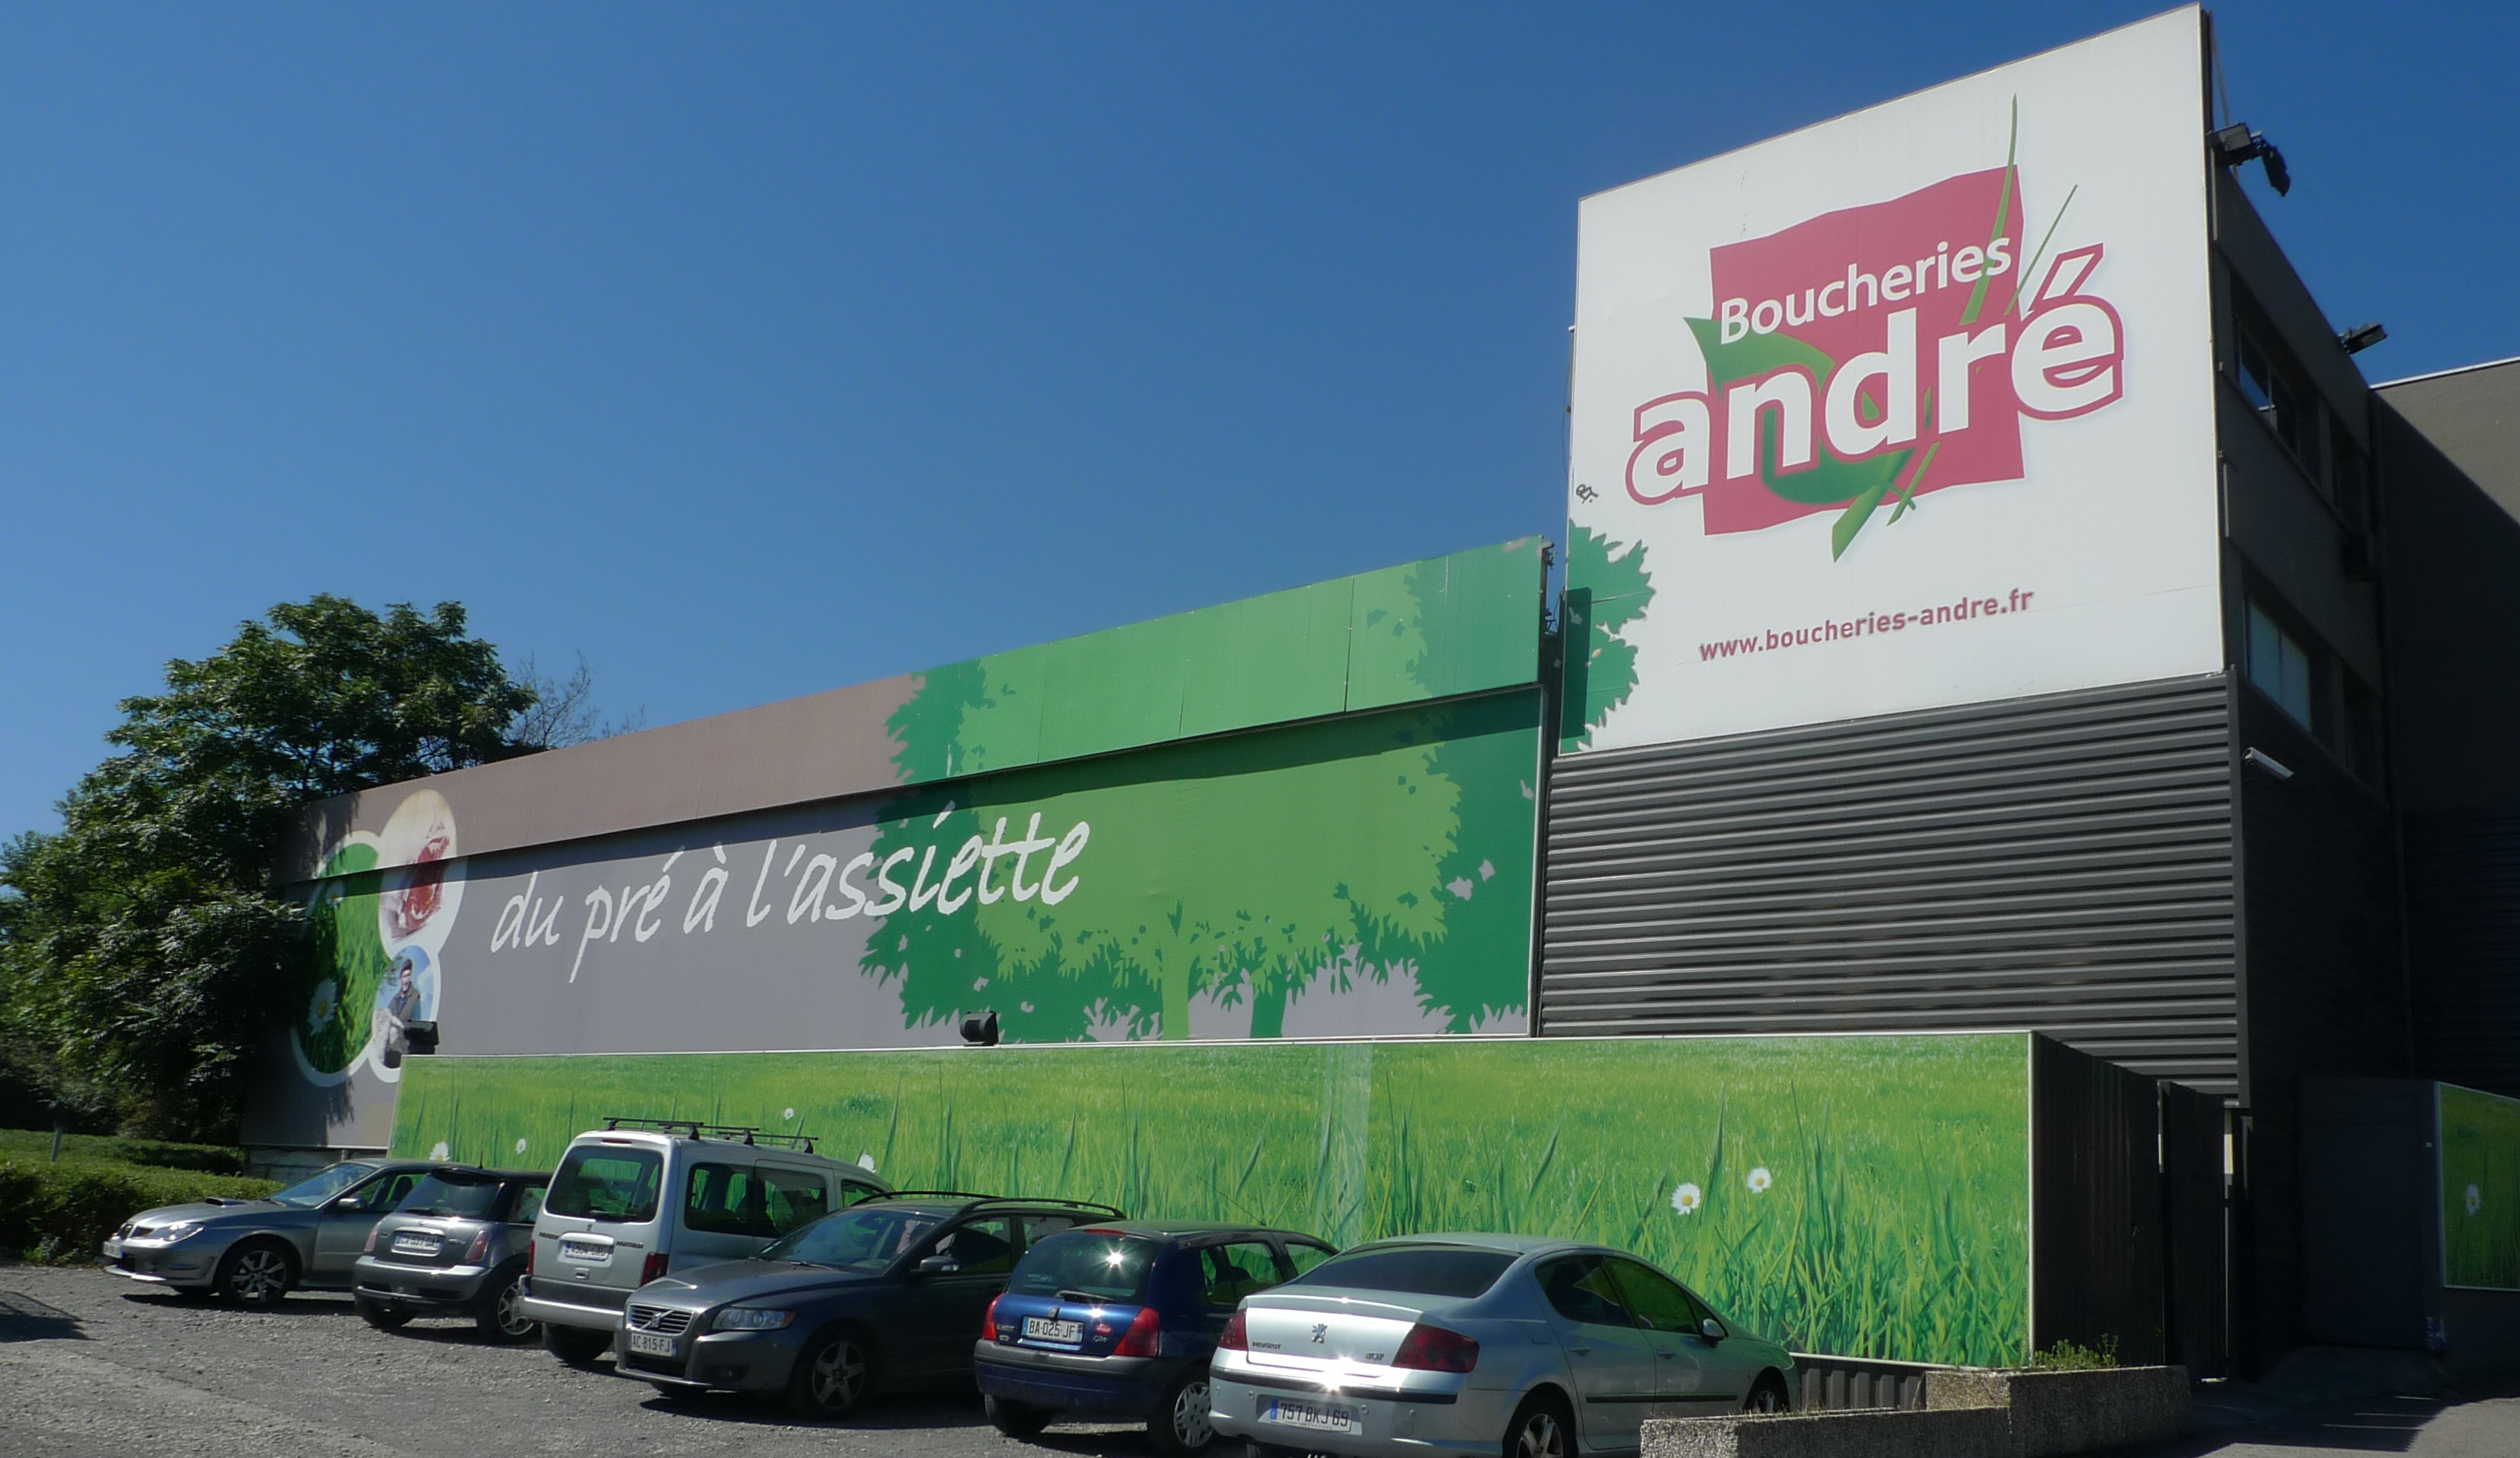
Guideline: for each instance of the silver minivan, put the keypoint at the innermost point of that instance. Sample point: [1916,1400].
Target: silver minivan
[641,1196]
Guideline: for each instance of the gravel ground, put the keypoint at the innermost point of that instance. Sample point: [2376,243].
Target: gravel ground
[92,1367]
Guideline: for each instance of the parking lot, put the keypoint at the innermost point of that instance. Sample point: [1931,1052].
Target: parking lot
[92,1366]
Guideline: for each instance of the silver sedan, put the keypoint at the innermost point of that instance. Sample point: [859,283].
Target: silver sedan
[1476,1343]
[257,1251]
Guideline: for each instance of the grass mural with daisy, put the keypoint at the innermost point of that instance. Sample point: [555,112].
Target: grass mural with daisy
[2480,1170]
[1867,1196]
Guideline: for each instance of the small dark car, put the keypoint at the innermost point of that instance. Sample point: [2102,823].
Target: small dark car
[455,1248]
[883,1294]
[1118,1320]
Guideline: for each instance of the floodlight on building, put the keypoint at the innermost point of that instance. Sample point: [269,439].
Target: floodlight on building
[980,1029]
[2362,336]
[2238,143]
[2262,761]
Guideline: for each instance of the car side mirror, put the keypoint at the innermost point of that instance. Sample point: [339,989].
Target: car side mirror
[1711,1329]
[347,1202]
[939,1265]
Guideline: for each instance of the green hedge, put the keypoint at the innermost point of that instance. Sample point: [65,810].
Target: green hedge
[60,1212]
[38,1145]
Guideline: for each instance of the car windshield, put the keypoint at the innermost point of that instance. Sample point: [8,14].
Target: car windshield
[607,1182]
[458,1196]
[1087,1263]
[863,1239]
[308,1193]
[1417,1270]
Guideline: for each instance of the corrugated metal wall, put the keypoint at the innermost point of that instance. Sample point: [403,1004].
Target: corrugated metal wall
[2062,863]
[2463,940]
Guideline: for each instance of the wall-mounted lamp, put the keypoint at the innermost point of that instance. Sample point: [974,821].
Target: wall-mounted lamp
[2237,143]
[2362,336]
[2256,759]
[420,1037]
[980,1029]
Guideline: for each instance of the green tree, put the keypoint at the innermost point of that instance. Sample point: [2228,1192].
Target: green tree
[143,956]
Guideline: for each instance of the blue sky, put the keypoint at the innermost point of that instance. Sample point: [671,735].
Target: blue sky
[757,350]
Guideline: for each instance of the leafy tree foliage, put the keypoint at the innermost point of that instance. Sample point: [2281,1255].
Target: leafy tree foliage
[143,953]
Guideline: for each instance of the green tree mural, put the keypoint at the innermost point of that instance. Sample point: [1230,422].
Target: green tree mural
[1608,588]
[1246,867]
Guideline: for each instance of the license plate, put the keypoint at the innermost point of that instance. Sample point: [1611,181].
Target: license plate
[1042,1329]
[415,1245]
[649,1343]
[574,1249]
[1321,1417]
[112,1250]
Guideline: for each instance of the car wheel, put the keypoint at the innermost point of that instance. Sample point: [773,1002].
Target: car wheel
[575,1345]
[833,1375]
[1767,1395]
[1015,1419]
[256,1274]
[1181,1424]
[500,1317]
[384,1316]
[1541,1429]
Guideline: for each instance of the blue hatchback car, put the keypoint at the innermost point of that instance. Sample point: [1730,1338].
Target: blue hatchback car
[1120,1321]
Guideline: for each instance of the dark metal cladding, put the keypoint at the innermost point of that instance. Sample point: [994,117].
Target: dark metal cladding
[2061,863]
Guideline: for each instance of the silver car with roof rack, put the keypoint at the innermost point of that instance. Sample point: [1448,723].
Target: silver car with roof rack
[641,1196]
[1476,1343]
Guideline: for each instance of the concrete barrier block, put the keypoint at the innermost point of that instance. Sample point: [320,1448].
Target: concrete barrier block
[2071,1412]
[1870,1433]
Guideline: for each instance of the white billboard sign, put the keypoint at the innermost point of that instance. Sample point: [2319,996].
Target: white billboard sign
[1907,409]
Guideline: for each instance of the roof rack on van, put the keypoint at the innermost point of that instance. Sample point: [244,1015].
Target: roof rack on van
[743,1133]
[1113,1210]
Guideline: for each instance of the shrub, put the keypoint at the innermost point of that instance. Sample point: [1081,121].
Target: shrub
[2066,1356]
[62,1211]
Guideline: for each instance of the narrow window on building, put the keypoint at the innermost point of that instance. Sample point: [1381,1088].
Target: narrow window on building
[2283,668]
[2275,387]
[2349,477]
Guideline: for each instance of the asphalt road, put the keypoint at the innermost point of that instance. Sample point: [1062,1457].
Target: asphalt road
[92,1366]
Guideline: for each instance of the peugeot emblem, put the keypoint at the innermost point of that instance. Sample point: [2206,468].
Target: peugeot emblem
[1320,1330]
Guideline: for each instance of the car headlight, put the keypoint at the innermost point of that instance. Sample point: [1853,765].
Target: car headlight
[180,1230]
[751,1319]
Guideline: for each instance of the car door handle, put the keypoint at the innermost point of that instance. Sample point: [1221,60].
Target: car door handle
[1581,1350]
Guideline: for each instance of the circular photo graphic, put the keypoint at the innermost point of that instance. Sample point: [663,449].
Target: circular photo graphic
[418,899]
[348,962]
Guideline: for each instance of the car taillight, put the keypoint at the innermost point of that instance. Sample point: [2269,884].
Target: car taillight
[1431,1348]
[370,1248]
[1238,1335]
[655,1266]
[529,1255]
[1141,1336]
[478,1250]
[989,1320]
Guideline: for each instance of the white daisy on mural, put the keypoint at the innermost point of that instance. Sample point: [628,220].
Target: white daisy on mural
[865,1161]
[520,1146]
[323,1005]
[789,1114]
[1758,1179]
[2475,1199]
[437,1151]
[1687,1199]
